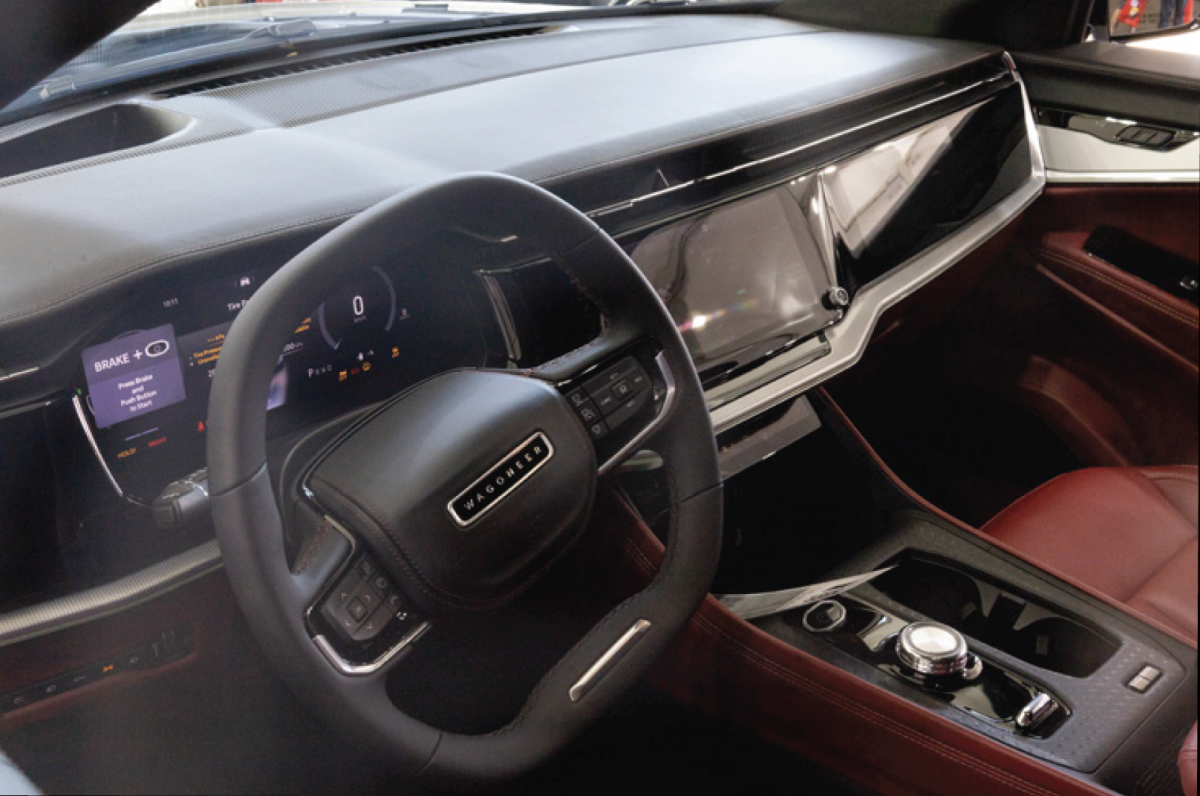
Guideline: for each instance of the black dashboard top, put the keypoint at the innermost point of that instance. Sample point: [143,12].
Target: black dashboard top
[246,168]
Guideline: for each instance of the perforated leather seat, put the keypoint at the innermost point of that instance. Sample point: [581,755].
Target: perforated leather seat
[1127,532]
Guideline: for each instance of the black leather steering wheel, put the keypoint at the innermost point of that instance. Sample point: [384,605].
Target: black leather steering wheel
[389,481]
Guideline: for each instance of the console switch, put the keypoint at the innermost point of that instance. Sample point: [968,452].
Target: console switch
[1147,677]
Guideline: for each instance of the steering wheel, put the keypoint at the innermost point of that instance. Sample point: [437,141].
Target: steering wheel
[456,495]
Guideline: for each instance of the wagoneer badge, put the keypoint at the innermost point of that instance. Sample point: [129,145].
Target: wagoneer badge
[501,480]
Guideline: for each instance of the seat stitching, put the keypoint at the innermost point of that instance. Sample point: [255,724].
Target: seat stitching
[1116,285]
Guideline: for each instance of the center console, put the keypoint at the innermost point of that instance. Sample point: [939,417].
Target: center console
[962,629]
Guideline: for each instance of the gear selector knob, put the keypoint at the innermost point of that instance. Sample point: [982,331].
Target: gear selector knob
[936,650]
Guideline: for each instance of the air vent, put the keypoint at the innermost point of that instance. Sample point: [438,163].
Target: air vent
[407,48]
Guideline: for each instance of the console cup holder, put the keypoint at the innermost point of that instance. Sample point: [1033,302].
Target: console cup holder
[997,615]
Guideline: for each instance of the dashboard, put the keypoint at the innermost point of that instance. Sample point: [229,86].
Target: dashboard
[779,185]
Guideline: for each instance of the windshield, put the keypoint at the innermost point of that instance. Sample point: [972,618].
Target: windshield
[174,35]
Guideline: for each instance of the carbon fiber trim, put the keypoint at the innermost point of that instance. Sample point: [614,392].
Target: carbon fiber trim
[76,609]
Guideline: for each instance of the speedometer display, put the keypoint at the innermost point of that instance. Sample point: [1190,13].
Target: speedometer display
[362,313]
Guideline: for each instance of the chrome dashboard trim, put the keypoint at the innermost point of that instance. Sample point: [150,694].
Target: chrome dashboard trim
[18,374]
[1056,177]
[132,590]
[849,338]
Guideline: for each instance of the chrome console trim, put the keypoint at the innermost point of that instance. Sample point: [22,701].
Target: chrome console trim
[848,339]
[32,621]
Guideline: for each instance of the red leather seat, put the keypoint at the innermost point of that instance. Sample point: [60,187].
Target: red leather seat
[1127,532]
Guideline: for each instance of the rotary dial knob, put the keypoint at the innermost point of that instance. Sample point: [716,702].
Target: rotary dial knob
[936,650]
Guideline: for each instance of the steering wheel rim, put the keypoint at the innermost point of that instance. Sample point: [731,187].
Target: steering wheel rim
[275,598]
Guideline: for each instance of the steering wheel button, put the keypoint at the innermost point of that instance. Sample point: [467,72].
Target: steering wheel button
[373,626]
[365,568]
[598,430]
[606,401]
[588,413]
[346,588]
[357,610]
[622,389]
[369,597]
[381,584]
[577,397]
[628,409]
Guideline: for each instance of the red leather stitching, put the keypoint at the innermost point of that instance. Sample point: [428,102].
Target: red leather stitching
[1123,288]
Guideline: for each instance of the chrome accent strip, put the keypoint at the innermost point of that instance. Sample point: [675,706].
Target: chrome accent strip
[362,670]
[512,487]
[1106,128]
[1056,177]
[91,438]
[32,621]
[849,338]
[1078,156]
[668,405]
[608,660]
[18,374]
[628,203]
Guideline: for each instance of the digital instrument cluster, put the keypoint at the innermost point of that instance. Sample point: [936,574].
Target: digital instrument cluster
[147,388]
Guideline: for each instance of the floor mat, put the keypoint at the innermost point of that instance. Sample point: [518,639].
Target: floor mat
[655,747]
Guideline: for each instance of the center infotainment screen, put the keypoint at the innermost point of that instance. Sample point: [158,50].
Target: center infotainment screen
[741,281]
